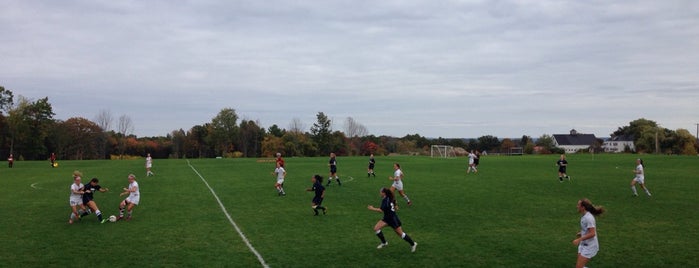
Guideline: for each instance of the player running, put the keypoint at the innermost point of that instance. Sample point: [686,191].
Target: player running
[132,200]
[562,164]
[149,165]
[76,199]
[370,169]
[390,218]
[586,240]
[640,178]
[398,183]
[88,196]
[332,163]
[319,190]
[281,174]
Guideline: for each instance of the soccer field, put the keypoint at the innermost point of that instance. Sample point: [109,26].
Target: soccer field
[513,213]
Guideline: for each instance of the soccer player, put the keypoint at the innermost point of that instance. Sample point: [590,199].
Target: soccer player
[640,178]
[477,160]
[562,164]
[319,190]
[280,160]
[10,161]
[370,169]
[586,240]
[52,158]
[471,163]
[149,165]
[333,170]
[132,200]
[76,198]
[88,198]
[281,173]
[390,218]
[398,183]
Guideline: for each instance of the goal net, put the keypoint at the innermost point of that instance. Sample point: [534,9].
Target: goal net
[516,151]
[442,151]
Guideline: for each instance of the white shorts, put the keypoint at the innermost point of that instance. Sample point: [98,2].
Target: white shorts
[280,181]
[639,179]
[149,165]
[133,200]
[587,251]
[398,185]
[76,202]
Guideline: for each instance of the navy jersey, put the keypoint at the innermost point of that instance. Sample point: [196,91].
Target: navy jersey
[333,165]
[89,191]
[562,165]
[389,213]
[318,188]
[372,162]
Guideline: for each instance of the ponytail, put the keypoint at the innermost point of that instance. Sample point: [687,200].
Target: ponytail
[595,210]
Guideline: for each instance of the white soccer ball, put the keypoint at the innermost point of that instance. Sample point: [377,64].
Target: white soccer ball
[112,218]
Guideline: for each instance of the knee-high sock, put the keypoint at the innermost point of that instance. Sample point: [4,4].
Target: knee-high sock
[407,238]
[380,235]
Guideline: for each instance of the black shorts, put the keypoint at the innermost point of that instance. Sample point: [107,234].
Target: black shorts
[317,201]
[333,169]
[371,166]
[562,169]
[394,222]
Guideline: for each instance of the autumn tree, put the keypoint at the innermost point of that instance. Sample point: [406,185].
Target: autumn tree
[224,131]
[321,133]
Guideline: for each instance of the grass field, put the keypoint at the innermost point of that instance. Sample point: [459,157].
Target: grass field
[514,213]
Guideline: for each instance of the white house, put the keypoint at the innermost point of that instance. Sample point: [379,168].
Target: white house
[574,141]
[619,144]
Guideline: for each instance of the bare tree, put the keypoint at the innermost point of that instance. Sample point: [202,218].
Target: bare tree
[104,120]
[125,128]
[354,129]
[296,126]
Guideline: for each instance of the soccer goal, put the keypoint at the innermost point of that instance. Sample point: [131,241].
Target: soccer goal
[516,151]
[442,151]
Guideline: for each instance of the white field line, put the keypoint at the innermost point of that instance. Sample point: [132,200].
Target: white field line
[230,219]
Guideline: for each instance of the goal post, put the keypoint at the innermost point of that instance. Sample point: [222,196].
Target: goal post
[442,151]
[516,151]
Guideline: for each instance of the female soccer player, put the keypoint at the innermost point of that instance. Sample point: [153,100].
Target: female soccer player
[640,178]
[398,183]
[281,173]
[562,165]
[586,240]
[88,197]
[390,218]
[319,190]
[332,163]
[370,169]
[280,160]
[76,197]
[131,200]
[149,166]
[472,163]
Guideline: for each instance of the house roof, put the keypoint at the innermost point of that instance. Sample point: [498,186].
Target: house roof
[621,138]
[577,139]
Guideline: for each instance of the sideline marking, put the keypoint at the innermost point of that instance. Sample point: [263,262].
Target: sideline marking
[35,187]
[350,179]
[230,219]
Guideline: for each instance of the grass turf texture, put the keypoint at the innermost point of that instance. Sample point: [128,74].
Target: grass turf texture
[513,213]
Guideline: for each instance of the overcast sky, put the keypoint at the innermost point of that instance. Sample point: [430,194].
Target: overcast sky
[435,68]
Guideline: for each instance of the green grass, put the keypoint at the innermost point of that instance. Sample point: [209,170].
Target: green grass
[514,213]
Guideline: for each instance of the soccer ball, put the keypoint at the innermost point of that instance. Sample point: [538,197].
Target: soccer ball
[55,164]
[112,218]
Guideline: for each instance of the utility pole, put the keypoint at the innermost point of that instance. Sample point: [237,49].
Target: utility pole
[697,132]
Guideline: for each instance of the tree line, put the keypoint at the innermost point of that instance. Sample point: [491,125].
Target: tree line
[29,132]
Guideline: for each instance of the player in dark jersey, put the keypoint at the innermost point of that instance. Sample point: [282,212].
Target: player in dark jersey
[88,197]
[319,194]
[370,169]
[562,165]
[390,218]
[332,163]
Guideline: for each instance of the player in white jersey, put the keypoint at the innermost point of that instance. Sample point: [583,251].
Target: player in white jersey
[586,240]
[132,200]
[472,163]
[76,197]
[281,173]
[639,178]
[149,165]
[398,183]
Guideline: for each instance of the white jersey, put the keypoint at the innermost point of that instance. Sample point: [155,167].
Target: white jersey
[471,158]
[135,196]
[76,199]
[398,179]
[149,162]
[280,174]
[589,247]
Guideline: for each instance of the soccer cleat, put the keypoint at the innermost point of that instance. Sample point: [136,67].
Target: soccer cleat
[413,247]
[382,245]
[120,218]
[410,203]
[128,218]
[103,221]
